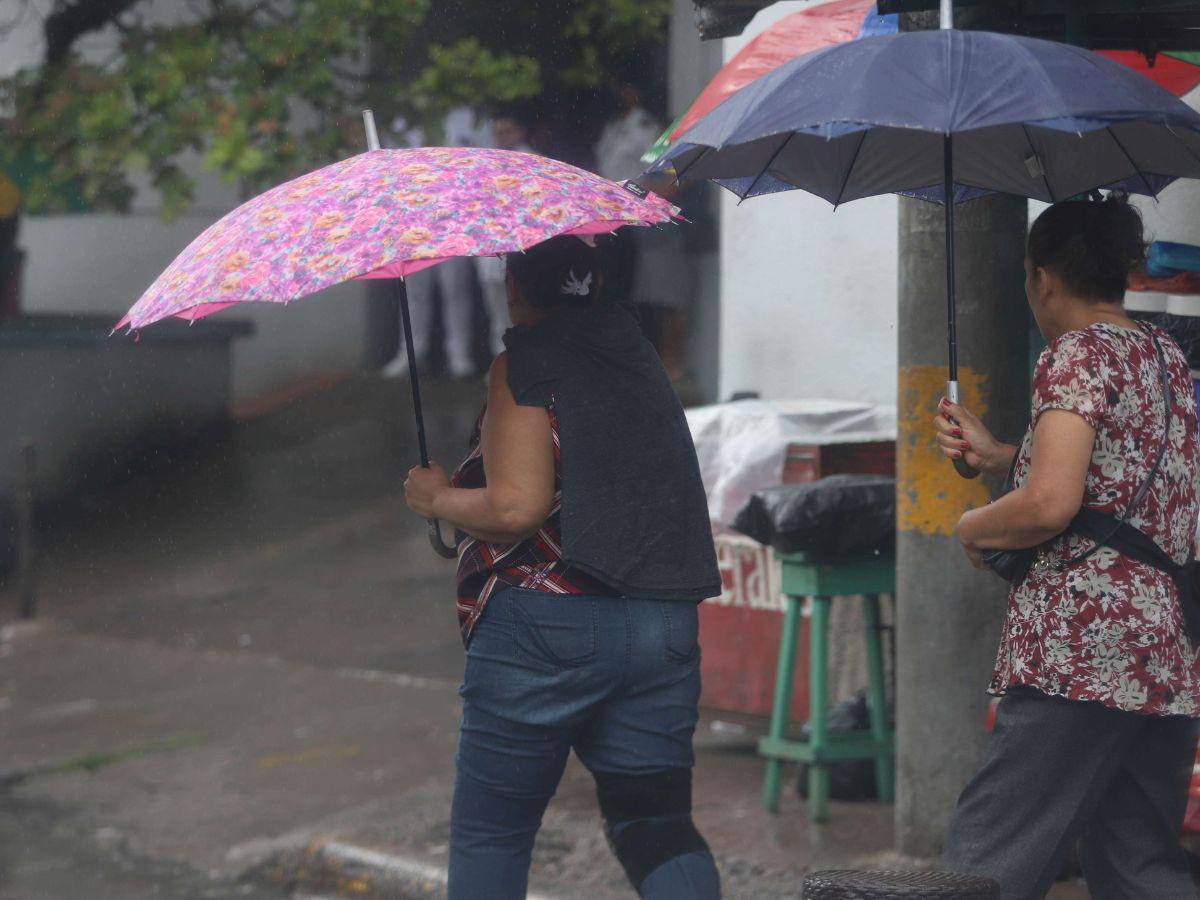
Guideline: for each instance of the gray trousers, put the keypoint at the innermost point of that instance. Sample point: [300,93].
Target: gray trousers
[1058,771]
[454,277]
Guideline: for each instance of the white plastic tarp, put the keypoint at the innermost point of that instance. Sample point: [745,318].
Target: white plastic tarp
[742,446]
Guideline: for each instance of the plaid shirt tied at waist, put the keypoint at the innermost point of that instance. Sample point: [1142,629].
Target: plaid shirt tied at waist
[535,563]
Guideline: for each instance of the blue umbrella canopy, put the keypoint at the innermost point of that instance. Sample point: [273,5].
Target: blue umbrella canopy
[879,115]
[943,114]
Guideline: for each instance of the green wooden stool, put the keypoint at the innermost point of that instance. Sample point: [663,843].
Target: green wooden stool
[805,576]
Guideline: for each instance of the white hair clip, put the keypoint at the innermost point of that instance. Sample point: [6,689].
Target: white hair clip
[574,286]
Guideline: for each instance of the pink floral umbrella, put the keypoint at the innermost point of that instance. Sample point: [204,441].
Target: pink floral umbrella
[387,214]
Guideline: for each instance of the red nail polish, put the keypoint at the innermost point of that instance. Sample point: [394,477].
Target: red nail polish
[958,432]
[966,446]
[958,454]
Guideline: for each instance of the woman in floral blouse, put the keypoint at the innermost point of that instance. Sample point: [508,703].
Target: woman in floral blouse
[1095,736]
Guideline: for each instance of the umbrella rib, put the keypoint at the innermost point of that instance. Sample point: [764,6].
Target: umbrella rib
[1183,143]
[1129,159]
[1033,150]
[849,171]
[699,156]
[766,168]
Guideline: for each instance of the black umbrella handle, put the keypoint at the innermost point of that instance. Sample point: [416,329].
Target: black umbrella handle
[440,547]
[960,464]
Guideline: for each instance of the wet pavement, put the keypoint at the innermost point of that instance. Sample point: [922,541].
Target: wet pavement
[289,539]
[45,856]
[284,543]
[250,652]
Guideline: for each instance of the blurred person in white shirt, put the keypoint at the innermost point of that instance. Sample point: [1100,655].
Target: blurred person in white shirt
[454,278]
[627,136]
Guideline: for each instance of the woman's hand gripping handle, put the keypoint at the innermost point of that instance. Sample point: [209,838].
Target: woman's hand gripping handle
[965,440]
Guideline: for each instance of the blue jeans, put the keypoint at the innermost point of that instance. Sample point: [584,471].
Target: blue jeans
[616,679]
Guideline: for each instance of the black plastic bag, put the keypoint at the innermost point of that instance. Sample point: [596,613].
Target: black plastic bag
[849,779]
[838,516]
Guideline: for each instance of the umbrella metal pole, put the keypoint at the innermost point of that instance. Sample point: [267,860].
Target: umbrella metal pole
[435,533]
[406,321]
[953,394]
[369,128]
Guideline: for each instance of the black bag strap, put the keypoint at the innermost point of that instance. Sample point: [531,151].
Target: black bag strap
[1125,539]
[1087,519]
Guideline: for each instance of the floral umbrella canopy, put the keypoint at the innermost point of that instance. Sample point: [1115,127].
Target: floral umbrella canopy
[387,214]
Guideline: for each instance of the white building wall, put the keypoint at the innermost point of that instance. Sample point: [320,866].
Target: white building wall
[99,263]
[808,294]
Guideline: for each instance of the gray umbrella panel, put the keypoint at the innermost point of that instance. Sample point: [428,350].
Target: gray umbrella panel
[1041,163]
[866,117]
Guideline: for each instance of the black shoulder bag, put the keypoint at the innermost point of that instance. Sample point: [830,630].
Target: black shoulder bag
[1102,528]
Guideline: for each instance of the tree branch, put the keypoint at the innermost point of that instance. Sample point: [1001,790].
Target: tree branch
[70,22]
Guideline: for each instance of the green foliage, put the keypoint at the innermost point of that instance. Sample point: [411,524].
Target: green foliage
[258,90]
[466,72]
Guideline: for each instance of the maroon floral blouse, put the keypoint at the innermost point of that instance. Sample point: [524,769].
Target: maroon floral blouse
[535,563]
[1109,629]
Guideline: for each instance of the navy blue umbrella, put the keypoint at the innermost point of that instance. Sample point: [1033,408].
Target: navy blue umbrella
[937,114]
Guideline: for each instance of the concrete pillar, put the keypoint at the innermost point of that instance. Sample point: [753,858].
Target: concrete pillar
[948,614]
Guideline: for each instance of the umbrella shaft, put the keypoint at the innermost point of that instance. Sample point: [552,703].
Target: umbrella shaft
[406,321]
[951,315]
[369,127]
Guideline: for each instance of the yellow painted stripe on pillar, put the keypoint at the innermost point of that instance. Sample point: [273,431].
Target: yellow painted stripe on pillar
[930,494]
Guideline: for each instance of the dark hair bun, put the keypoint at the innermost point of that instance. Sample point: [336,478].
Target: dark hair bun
[1092,245]
[561,270]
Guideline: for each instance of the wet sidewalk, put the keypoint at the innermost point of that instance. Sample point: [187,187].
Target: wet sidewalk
[242,684]
[245,766]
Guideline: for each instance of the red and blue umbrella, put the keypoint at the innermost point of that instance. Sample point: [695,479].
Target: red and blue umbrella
[848,20]
[795,35]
